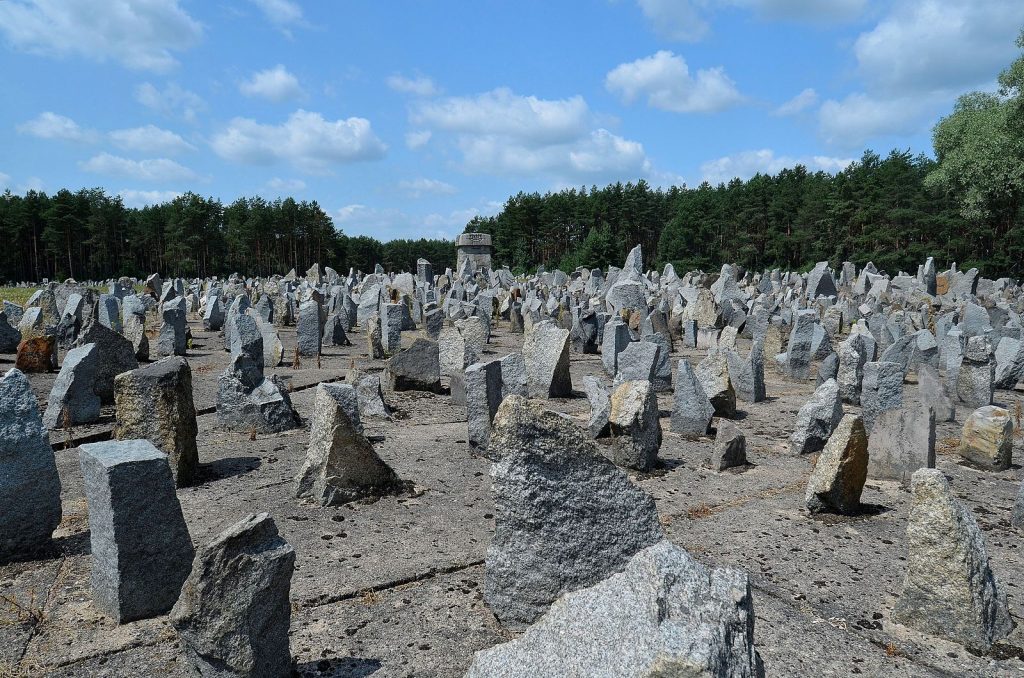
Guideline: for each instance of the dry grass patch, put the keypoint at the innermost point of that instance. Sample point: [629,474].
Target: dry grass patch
[947,446]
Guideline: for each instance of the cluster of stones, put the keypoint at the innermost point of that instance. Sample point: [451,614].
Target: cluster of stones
[578,561]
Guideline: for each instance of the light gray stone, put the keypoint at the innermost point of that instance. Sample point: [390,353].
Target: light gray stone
[838,477]
[692,411]
[881,390]
[901,442]
[141,549]
[546,353]
[72,398]
[987,438]
[817,419]
[600,406]
[483,396]
[634,426]
[248,402]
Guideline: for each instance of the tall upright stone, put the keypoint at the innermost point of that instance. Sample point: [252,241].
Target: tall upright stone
[234,612]
[173,339]
[483,396]
[308,330]
[692,411]
[838,477]
[141,549]
[154,402]
[901,442]
[546,352]
[566,518]
[133,320]
[72,400]
[634,426]
[798,351]
[881,389]
[950,590]
[30,507]
[975,380]
[817,419]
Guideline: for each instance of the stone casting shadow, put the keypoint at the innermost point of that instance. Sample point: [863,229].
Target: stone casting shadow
[343,667]
[229,467]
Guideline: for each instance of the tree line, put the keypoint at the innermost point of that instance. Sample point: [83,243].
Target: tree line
[89,235]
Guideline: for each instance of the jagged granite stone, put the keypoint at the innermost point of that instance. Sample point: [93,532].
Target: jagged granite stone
[234,612]
[692,411]
[634,427]
[730,448]
[817,419]
[600,406]
[246,401]
[881,389]
[30,507]
[664,615]
[417,368]
[901,442]
[483,396]
[949,591]
[987,438]
[341,464]
[713,374]
[566,517]
[141,549]
[546,353]
[116,355]
[72,400]
[154,402]
[838,478]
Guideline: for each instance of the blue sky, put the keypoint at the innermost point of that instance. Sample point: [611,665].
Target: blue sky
[406,118]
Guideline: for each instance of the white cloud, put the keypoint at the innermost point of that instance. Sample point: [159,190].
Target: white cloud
[286,185]
[306,140]
[48,125]
[417,140]
[665,80]
[676,19]
[281,13]
[859,118]
[137,198]
[799,103]
[526,119]
[172,100]
[748,163]
[5,180]
[929,45]
[389,223]
[140,34]
[149,139]
[158,170]
[275,84]
[421,186]
[503,133]
[419,85]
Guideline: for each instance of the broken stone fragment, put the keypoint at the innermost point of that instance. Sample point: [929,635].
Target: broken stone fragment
[566,517]
[949,590]
[838,478]
[664,615]
[816,420]
[234,612]
[634,427]
[730,449]
[692,411]
[987,438]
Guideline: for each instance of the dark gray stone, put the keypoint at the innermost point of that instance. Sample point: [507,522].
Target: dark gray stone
[417,368]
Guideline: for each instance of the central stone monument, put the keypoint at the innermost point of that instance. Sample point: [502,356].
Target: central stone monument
[476,247]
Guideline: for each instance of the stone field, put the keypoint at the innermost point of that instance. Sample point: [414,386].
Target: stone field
[370,487]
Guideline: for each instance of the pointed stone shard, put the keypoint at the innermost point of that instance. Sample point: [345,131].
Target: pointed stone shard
[546,352]
[30,507]
[692,411]
[817,419]
[234,613]
[730,449]
[417,368]
[141,549]
[634,426]
[566,516]
[681,619]
[341,464]
[600,406]
[838,478]
[950,590]
[713,374]
[155,402]
[72,400]
[987,438]
[246,401]
[881,389]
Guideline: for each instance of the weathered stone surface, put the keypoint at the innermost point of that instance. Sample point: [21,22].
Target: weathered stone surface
[37,354]
[546,353]
[371,398]
[664,615]
[817,419]
[234,613]
[483,396]
[141,550]
[634,426]
[987,438]
[838,478]
[116,355]
[713,374]
[154,402]
[133,320]
[881,389]
[600,406]
[950,590]
[172,339]
[417,368]
[513,376]
[391,316]
[565,517]
[638,362]
[341,464]
[747,374]
[247,402]
[308,331]
[247,339]
[72,400]
[798,351]
[852,358]
[730,448]
[30,507]
[933,392]
[614,342]
[10,337]
[692,410]
[901,442]
[975,380]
